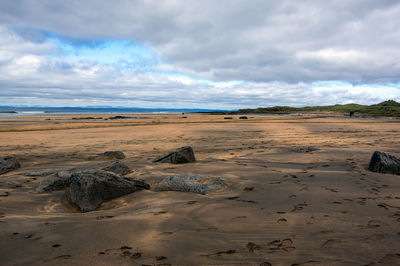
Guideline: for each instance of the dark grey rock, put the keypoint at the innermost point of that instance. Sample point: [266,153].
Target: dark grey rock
[190,183]
[384,163]
[243,117]
[8,163]
[53,182]
[89,188]
[304,149]
[181,155]
[38,173]
[118,167]
[114,154]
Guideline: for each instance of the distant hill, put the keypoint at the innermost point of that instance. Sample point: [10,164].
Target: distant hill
[387,108]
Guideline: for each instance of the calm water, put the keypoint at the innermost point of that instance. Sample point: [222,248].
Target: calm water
[15,112]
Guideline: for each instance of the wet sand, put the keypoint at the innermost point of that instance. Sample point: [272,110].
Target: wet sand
[280,206]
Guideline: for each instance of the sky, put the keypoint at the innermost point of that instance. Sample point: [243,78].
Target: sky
[225,54]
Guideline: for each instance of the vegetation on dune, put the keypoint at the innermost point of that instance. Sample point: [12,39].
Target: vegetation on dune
[389,108]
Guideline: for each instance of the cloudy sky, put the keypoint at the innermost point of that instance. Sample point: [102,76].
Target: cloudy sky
[224,54]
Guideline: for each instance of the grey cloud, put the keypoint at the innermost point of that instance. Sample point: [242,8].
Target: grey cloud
[241,40]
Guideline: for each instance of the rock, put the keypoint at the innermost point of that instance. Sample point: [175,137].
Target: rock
[190,183]
[114,154]
[54,182]
[89,188]
[7,164]
[304,149]
[38,173]
[384,163]
[118,167]
[64,174]
[181,155]
[243,117]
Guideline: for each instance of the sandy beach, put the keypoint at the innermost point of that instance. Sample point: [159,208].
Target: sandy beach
[280,205]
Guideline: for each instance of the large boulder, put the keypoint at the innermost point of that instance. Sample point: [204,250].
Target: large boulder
[89,188]
[181,155]
[190,183]
[118,167]
[8,163]
[384,163]
[114,154]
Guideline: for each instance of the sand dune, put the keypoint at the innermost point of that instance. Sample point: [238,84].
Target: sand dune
[279,206]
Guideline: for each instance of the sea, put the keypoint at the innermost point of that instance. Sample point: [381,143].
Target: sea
[10,111]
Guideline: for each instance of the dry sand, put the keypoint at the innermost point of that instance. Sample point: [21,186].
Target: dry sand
[318,208]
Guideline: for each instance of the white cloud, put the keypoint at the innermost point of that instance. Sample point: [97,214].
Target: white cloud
[225,54]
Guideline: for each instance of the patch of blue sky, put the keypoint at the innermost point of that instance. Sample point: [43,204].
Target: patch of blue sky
[121,53]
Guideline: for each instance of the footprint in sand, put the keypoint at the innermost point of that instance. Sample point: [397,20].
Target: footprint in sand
[123,251]
[282,221]
[308,263]
[239,217]
[285,245]
[5,194]
[299,207]
[390,259]
[221,253]
[160,212]
[332,243]
[374,223]
[252,246]
[62,257]
[104,217]
[324,232]
[383,205]
[207,229]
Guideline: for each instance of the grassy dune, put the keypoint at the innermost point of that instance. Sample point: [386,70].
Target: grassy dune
[389,108]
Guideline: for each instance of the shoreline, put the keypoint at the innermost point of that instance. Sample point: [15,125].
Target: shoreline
[281,204]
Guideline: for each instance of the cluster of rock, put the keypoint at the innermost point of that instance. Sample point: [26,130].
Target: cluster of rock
[88,188]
